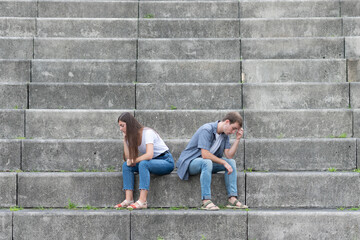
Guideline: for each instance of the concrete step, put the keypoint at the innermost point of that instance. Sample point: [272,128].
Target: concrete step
[79,154]
[264,96]
[356,123]
[105,189]
[189,28]
[12,123]
[16,48]
[350,8]
[17,27]
[292,48]
[87,27]
[355,95]
[352,47]
[10,155]
[13,95]
[81,96]
[189,71]
[303,224]
[70,124]
[302,189]
[321,123]
[300,154]
[294,70]
[88,9]
[291,27]
[21,8]
[188,9]
[16,71]
[289,8]
[176,95]
[8,183]
[84,48]
[83,71]
[351,26]
[189,49]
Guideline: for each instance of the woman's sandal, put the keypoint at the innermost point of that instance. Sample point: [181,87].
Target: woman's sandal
[137,205]
[234,205]
[124,204]
[207,206]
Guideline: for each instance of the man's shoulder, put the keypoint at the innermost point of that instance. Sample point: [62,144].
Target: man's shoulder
[208,127]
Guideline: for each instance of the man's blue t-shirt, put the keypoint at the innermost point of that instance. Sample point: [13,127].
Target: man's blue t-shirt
[202,139]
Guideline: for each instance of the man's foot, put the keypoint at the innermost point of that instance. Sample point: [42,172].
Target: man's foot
[209,205]
[124,204]
[137,205]
[234,203]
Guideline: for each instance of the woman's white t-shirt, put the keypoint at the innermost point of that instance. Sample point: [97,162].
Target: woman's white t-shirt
[150,136]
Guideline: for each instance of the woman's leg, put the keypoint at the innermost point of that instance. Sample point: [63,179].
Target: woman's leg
[128,180]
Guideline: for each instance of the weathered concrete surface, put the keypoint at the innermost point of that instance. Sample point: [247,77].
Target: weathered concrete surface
[204,96]
[70,224]
[283,9]
[98,189]
[16,48]
[14,71]
[17,27]
[355,95]
[68,124]
[291,27]
[11,123]
[350,8]
[5,225]
[170,190]
[352,47]
[357,123]
[87,28]
[300,154]
[10,155]
[173,124]
[191,71]
[294,70]
[177,9]
[91,71]
[189,28]
[13,95]
[88,9]
[351,26]
[296,95]
[176,146]
[303,224]
[297,123]
[223,224]
[189,49]
[358,151]
[81,96]
[80,48]
[72,155]
[22,8]
[302,189]
[353,70]
[290,48]
[7,189]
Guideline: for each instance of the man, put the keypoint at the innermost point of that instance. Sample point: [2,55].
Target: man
[204,154]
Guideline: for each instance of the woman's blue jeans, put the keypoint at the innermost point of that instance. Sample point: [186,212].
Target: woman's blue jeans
[206,167]
[160,166]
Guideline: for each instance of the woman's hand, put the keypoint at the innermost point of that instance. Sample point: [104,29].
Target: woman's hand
[130,163]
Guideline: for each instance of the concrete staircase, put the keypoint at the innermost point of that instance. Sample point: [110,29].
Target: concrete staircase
[69,68]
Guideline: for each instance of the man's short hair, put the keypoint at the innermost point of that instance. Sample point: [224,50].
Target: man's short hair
[233,117]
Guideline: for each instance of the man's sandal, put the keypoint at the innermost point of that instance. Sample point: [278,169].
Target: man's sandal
[207,206]
[124,204]
[137,205]
[234,205]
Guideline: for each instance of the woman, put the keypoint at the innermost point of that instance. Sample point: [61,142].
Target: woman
[154,158]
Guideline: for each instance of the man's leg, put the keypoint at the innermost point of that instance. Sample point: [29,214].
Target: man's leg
[204,167]
[230,179]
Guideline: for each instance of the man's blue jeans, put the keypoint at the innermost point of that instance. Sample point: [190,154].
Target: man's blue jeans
[160,166]
[206,167]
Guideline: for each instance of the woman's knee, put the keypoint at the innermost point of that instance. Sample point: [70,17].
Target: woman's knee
[144,164]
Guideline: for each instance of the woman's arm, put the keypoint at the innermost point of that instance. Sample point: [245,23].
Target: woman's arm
[149,154]
[126,149]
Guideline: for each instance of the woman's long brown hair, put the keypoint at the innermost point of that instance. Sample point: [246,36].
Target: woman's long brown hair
[133,136]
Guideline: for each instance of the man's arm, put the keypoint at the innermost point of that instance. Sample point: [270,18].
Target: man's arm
[229,153]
